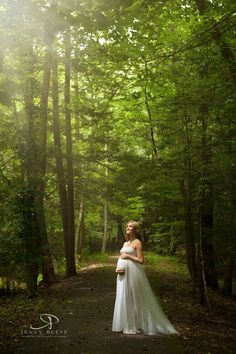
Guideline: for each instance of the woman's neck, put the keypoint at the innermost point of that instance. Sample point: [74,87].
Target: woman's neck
[132,238]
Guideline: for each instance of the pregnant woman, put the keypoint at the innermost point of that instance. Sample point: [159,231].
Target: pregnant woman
[137,309]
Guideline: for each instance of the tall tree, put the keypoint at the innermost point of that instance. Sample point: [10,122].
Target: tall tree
[31,236]
[69,159]
[58,153]
[47,264]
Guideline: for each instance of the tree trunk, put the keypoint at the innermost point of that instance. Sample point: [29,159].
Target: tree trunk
[79,234]
[105,218]
[207,207]
[120,235]
[199,273]
[47,264]
[71,270]
[105,223]
[31,237]
[187,192]
[152,137]
[228,279]
[58,155]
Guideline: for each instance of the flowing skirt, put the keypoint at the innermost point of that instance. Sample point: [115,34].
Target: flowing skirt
[136,306]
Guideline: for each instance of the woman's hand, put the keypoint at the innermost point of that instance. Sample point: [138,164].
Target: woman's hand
[124,256]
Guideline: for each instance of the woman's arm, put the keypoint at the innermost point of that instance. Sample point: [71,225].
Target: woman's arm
[139,258]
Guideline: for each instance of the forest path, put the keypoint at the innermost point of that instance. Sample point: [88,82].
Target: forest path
[87,317]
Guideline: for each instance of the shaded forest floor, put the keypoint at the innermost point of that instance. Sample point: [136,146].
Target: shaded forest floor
[84,305]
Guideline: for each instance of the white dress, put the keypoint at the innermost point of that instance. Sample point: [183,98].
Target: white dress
[136,306]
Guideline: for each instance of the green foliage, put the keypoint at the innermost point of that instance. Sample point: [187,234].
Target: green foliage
[166,235]
[166,264]
[87,256]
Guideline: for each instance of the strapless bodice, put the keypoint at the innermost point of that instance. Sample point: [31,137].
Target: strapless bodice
[128,249]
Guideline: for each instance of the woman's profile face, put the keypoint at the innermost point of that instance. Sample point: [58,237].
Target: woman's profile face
[129,229]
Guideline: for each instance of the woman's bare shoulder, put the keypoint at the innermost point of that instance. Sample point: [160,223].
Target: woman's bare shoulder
[138,242]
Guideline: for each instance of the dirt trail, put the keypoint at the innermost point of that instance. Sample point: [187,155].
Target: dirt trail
[87,316]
